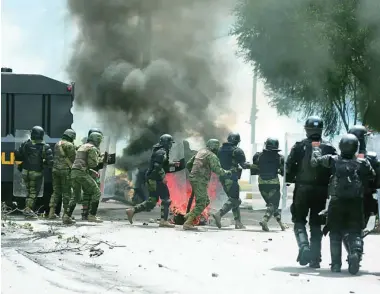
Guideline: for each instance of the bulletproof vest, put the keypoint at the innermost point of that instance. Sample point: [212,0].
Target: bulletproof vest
[60,158]
[201,168]
[346,181]
[157,157]
[306,174]
[226,157]
[269,164]
[80,161]
[33,156]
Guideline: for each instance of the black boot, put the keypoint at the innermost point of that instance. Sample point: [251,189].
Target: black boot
[336,252]
[355,252]
[303,244]
[84,212]
[315,246]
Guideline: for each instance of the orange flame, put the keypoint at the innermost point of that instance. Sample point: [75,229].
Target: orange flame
[180,194]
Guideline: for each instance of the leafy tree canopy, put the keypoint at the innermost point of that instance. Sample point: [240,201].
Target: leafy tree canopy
[315,56]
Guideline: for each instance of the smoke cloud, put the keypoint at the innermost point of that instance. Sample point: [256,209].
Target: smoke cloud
[148,68]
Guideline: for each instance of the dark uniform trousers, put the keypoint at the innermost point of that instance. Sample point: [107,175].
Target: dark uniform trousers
[309,200]
[345,220]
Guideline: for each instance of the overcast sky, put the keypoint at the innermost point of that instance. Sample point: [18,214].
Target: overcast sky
[36,38]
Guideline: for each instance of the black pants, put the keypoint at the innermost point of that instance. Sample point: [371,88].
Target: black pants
[345,220]
[309,200]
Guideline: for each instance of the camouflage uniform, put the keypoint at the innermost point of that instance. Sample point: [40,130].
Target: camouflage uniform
[200,166]
[77,189]
[268,164]
[34,154]
[157,187]
[83,176]
[64,156]
[231,157]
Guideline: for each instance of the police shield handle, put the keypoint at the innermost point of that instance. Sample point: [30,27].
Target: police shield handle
[315,144]
[111,158]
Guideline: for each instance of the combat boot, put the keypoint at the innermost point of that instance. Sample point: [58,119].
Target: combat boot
[52,214]
[67,220]
[264,225]
[94,219]
[188,225]
[336,251]
[281,224]
[218,219]
[29,214]
[165,224]
[239,225]
[353,263]
[130,213]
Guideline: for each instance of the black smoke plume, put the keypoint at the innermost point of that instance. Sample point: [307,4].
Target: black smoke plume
[149,68]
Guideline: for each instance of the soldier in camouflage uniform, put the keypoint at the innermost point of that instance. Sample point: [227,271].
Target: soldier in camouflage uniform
[200,166]
[231,156]
[77,189]
[64,156]
[83,176]
[156,182]
[34,154]
[267,165]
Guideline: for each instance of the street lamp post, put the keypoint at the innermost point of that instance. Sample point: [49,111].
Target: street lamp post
[253,179]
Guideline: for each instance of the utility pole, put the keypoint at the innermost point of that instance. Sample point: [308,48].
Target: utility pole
[253,179]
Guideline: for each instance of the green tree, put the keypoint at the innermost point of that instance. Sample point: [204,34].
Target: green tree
[315,57]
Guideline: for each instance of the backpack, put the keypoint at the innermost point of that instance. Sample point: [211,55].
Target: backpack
[348,183]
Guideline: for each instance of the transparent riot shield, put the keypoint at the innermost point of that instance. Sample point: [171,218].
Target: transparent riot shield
[19,188]
[254,196]
[287,191]
[176,180]
[108,181]
[373,144]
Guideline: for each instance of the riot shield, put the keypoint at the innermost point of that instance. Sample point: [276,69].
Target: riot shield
[287,191]
[19,189]
[108,182]
[254,196]
[176,180]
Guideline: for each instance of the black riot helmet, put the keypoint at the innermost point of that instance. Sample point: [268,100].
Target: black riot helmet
[37,133]
[271,144]
[166,141]
[92,130]
[314,127]
[348,146]
[359,131]
[69,135]
[233,138]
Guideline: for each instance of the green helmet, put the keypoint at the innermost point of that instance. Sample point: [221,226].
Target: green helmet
[95,138]
[213,145]
[70,135]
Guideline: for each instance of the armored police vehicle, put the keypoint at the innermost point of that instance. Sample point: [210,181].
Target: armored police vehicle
[28,100]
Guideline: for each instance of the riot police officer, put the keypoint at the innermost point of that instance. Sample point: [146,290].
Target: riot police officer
[310,193]
[156,182]
[268,164]
[35,154]
[231,157]
[370,204]
[345,212]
